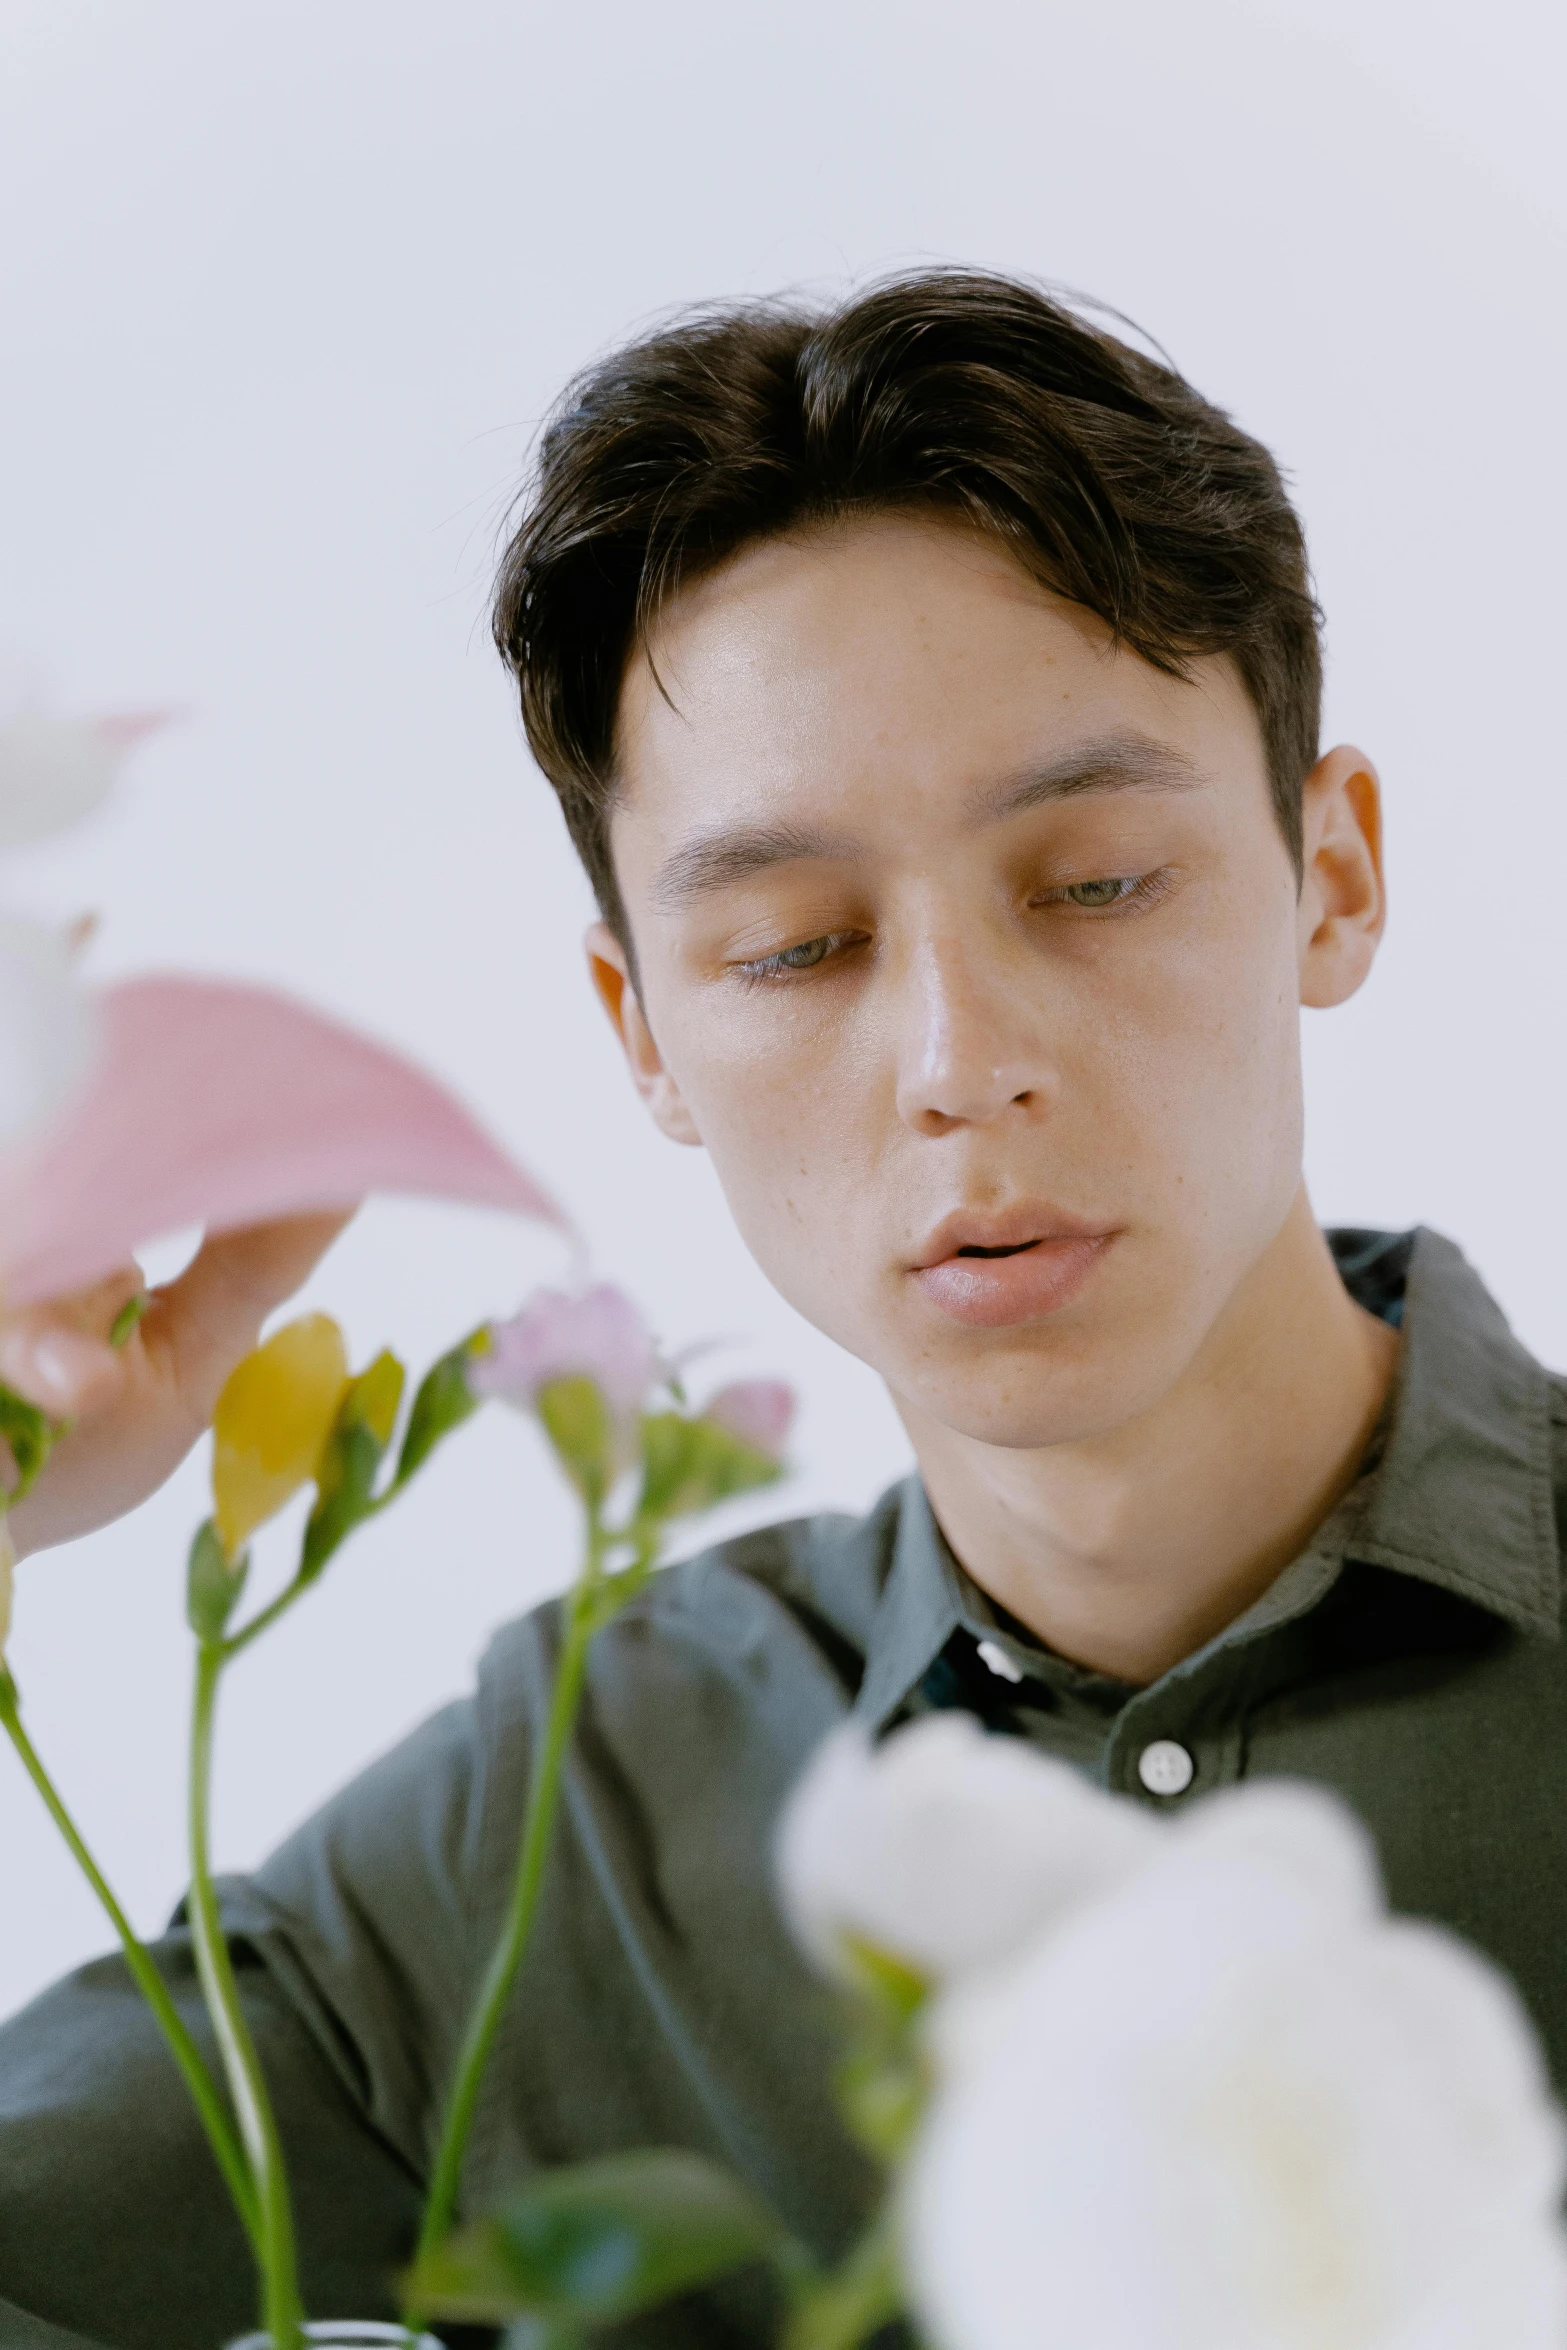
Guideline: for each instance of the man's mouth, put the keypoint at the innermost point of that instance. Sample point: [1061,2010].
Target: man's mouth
[994,1272]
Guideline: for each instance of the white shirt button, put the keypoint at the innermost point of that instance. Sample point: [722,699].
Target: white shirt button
[1166,1768]
[998,1661]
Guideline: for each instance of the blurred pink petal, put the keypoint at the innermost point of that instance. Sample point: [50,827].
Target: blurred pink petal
[759,1411]
[223,1105]
[598,1334]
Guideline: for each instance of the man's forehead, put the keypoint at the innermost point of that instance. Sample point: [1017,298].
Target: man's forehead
[864,594]
[752,737]
[911,641]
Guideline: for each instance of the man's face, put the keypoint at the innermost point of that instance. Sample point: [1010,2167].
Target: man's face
[969,947]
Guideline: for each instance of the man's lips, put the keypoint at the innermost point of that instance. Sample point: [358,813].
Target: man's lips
[996,1271]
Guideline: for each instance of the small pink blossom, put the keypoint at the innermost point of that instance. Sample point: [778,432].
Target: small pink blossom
[597,1334]
[758,1411]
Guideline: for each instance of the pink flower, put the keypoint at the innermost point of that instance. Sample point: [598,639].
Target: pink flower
[222,1105]
[758,1411]
[597,1334]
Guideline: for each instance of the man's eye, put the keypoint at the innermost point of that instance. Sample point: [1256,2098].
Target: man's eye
[804,957]
[1099,897]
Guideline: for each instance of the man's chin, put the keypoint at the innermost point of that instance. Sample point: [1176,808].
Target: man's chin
[1028,1431]
[1019,1409]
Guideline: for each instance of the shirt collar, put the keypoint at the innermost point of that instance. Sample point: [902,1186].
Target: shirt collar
[1462,1497]
[1465,1495]
[917,1614]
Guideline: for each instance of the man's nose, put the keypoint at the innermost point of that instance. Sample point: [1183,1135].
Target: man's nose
[973,1041]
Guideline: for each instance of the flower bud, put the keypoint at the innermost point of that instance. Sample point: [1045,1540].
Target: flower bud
[759,1411]
[691,1464]
[272,1424]
[373,1400]
[597,1334]
[575,1417]
[351,1459]
[585,1365]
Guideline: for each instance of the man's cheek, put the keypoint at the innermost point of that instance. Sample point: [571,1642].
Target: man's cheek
[795,1177]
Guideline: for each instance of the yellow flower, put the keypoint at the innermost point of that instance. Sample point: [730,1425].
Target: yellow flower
[272,1424]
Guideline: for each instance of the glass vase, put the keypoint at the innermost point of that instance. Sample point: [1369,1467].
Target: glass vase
[343,2333]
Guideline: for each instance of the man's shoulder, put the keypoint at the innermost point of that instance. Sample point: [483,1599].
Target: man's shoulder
[1556,1398]
[791,1603]
[811,1581]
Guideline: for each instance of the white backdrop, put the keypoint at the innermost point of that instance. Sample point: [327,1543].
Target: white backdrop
[285,286]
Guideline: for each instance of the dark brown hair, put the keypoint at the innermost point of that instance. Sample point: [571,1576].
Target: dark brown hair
[1109,478]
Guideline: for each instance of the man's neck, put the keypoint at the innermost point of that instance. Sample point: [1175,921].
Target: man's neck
[1127,1552]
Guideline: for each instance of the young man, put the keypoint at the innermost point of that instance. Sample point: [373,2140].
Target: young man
[931,689]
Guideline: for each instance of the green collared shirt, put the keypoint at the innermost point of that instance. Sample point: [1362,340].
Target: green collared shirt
[1409,1658]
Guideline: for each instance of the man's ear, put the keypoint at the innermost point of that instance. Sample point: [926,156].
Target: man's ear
[611,969]
[1343,901]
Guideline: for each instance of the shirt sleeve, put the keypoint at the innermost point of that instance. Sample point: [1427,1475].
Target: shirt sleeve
[116,2230]
[115,2225]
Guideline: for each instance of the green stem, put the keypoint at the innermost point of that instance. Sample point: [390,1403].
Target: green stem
[153,1988]
[237,1642]
[839,2311]
[507,1956]
[281,2310]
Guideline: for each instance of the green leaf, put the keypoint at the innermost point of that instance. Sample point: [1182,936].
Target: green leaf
[345,1481]
[537,2333]
[212,1585]
[577,1421]
[443,1402]
[692,1464]
[599,2241]
[31,1435]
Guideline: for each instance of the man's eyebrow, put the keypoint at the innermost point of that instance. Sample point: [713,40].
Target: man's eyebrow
[715,860]
[1116,762]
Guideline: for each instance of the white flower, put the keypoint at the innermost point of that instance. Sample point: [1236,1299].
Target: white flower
[52,772]
[55,770]
[1232,2106]
[47,1027]
[947,1848]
